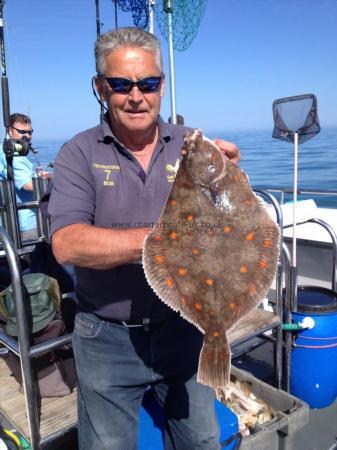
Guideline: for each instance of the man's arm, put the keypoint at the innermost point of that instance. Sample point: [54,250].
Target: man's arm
[86,245]
[231,150]
[28,186]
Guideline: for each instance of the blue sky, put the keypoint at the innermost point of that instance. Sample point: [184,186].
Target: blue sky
[246,54]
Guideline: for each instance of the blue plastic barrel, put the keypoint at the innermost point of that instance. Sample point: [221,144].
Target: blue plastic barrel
[313,375]
[152,423]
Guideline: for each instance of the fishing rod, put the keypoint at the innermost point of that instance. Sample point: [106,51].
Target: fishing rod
[168,8]
[98,34]
[11,147]
[116,13]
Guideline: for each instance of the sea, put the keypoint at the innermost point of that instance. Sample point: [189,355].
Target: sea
[268,162]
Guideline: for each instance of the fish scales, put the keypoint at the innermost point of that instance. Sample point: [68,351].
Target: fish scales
[213,254]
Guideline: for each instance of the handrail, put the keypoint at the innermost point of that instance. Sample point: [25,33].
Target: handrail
[279,278]
[333,236]
[301,191]
[288,298]
[9,213]
[23,339]
[39,349]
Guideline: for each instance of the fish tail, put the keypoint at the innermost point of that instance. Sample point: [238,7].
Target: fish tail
[214,364]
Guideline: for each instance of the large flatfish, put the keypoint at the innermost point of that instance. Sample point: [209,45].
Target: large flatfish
[213,254]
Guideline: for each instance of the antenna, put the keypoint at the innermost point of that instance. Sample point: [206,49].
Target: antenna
[98,34]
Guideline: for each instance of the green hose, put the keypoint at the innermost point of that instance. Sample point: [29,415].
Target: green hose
[292,327]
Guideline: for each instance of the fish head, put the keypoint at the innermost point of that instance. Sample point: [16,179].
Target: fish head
[202,158]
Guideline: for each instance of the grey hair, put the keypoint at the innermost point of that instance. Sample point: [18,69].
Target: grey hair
[126,37]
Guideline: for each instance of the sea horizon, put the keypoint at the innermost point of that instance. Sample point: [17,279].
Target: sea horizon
[267,161]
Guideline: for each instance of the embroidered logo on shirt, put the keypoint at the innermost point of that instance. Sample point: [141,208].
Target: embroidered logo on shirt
[107,170]
[172,171]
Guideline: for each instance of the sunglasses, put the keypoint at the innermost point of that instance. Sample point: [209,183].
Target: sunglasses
[23,131]
[124,86]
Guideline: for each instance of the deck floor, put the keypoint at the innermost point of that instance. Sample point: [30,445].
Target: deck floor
[55,414]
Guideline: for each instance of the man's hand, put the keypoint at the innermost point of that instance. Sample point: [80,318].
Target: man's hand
[230,150]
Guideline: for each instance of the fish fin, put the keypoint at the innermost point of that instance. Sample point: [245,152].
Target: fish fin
[159,277]
[214,364]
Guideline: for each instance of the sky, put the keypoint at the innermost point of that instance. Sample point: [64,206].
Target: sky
[246,54]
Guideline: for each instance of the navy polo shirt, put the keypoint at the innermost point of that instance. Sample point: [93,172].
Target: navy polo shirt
[97,181]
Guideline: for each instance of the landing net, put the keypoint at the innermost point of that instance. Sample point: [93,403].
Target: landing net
[295,114]
[186,18]
[139,10]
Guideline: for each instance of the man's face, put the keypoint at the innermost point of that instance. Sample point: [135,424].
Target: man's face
[134,111]
[16,131]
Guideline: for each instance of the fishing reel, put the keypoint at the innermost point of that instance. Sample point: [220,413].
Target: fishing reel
[21,147]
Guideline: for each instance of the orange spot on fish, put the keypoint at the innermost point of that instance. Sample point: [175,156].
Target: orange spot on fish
[169,282]
[216,334]
[198,306]
[263,264]
[227,229]
[195,250]
[250,236]
[189,218]
[173,202]
[243,269]
[236,178]
[248,202]
[232,305]
[267,243]
[182,271]
[173,235]
[159,259]
[209,281]
[210,233]
[252,289]
[183,300]
[157,237]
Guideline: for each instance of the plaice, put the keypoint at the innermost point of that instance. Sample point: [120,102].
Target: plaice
[213,254]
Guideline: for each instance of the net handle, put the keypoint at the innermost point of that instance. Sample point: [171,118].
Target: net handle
[295,189]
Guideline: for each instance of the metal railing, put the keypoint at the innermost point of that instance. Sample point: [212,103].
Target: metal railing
[9,214]
[11,249]
[301,191]
[22,347]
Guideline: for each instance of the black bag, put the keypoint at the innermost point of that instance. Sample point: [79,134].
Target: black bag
[55,370]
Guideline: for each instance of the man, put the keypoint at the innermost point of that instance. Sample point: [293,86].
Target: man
[20,127]
[109,182]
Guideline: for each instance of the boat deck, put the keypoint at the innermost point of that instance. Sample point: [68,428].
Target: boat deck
[56,413]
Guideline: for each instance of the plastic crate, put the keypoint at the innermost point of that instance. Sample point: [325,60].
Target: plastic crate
[291,415]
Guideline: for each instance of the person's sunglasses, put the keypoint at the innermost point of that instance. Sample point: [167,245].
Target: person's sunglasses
[124,86]
[30,132]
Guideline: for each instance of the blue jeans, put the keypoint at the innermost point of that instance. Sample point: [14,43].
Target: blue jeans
[115,365]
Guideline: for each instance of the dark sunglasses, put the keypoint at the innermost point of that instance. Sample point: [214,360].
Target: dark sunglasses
[23,131]
[124,86]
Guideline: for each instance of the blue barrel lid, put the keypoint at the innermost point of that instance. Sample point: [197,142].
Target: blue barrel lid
[316,299]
